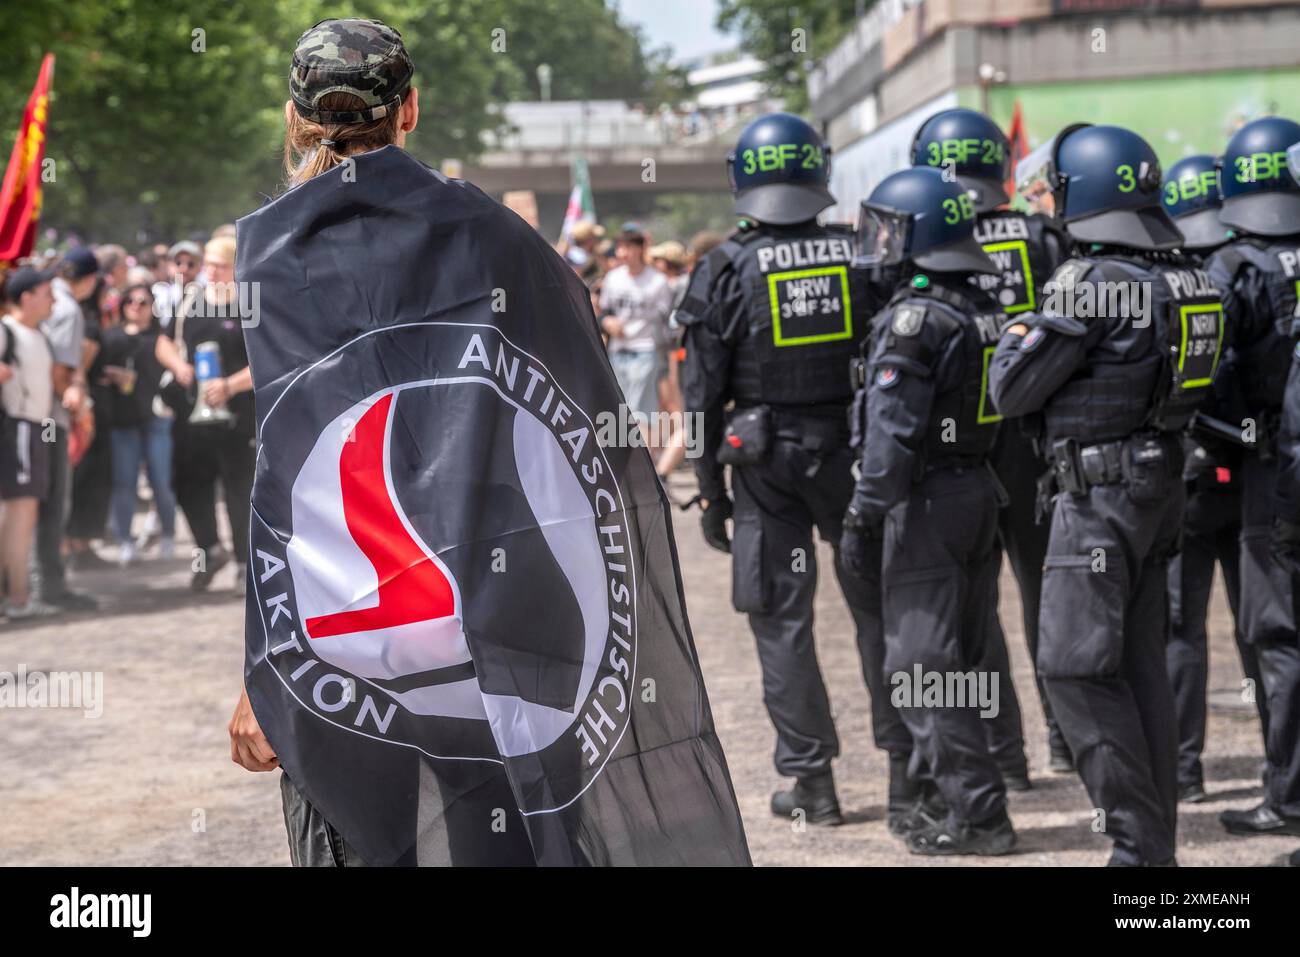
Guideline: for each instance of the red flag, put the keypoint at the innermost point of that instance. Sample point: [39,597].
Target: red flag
[20,197]
[1019,145]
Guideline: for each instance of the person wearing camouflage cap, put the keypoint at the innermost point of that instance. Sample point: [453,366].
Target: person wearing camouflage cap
[349,91]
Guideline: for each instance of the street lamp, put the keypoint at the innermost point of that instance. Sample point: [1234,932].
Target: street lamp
[988,75]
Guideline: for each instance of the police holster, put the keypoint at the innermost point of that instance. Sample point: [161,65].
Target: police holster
[1077,468]
[1145,464]
[748,438]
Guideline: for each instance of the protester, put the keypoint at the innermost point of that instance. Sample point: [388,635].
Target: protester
[28,399]
[670,390]
[138,435]
[513,751]
[65,330]
[92,477]
[113,260]
[225,450]
[582,253]
[634,304]
[184,259]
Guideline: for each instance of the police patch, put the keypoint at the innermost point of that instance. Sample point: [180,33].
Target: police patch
[1032,338]
[887,377]
[908,320]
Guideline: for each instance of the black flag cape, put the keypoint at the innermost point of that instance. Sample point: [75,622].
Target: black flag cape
[466,635]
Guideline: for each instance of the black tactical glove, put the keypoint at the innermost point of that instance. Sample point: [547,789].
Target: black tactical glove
[1286,544]
[714,522]
[857,540]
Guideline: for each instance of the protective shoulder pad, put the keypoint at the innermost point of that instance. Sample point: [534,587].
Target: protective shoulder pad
[1070,272]
[1056,310]
[911,334]
[696,301]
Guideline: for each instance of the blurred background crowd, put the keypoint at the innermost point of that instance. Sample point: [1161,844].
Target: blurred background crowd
[108,427]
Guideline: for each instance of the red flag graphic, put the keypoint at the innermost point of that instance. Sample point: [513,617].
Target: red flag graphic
[20,197]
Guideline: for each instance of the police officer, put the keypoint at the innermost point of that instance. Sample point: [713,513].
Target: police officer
[1026,249]
[772,319]
[1258,272]
[1125,348]
[927,490]
[1212,477]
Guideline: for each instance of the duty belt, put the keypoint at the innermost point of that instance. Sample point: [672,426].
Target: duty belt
[821,430]
[1079,467]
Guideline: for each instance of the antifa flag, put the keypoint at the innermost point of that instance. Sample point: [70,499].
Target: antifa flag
[20,195]
[466,635]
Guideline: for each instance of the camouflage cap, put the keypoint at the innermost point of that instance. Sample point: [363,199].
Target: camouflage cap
[363,57]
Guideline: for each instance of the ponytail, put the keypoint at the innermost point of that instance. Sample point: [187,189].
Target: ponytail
[312,148]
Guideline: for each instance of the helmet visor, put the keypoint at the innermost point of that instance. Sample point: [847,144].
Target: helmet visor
[882,236]
[1036,178]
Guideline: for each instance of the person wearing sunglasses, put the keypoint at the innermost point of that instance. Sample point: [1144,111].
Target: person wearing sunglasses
[137,435]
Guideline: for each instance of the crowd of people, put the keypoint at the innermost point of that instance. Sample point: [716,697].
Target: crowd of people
[100,389]
[635,285]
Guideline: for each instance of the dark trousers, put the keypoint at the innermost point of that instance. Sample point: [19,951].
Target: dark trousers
[52,520]
[940,597]
[1211,526]
[1024,539]
[202,456]
[466,817]
[774,580]
[92,480]
[1101,651]
[1268,620]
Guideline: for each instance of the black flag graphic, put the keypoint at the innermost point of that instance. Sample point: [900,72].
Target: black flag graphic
[466,638]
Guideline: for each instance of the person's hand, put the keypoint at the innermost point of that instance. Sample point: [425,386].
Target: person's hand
[216,393]
[714,522]
[6,373]
[248,745]
[118,376]
[857,538]
[613,326]
[184,375]
[74,397]
[1285,542]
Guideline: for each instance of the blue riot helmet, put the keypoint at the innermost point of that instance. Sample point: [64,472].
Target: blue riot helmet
[1259,196]
[974,147]
[779,171]
[1102,183]
[1191,197]
[917,215]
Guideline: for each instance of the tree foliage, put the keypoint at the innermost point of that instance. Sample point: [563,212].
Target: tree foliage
[167,119]
[789,36]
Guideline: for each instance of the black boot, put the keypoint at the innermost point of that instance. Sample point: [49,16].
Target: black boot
[927,811]
[1059,757]
[987,839]
[904,791]
[815,796]
[1191,792]
[1016,779]
[1263,819]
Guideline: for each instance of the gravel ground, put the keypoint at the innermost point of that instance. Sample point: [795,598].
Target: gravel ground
[151,782]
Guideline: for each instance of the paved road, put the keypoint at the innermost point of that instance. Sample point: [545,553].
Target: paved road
[150,780]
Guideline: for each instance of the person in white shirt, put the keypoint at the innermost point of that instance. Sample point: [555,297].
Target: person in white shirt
[635,301]
[27,395]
